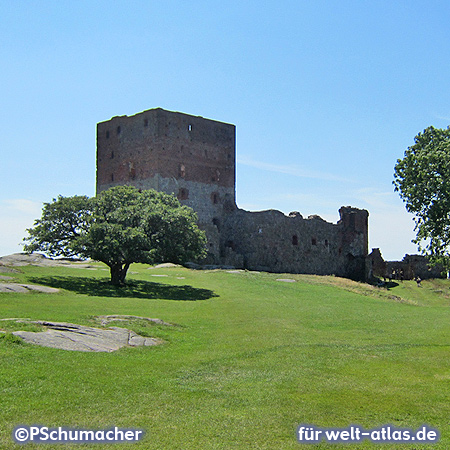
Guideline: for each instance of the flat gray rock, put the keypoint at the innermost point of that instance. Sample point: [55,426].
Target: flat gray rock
[5,278]
[165,266]
[37,259]
[69,336]
[13,287]
[23,259]
[4,269]
[24,288]
[125,318]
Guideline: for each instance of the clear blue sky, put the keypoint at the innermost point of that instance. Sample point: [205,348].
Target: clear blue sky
[326,96]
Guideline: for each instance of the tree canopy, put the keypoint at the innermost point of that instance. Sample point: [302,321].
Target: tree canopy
[422,178]
[119,227]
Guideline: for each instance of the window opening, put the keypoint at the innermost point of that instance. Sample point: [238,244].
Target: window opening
[131,171]
[295,240]
[215,198]
[216,222]
[230,244]
[183,194]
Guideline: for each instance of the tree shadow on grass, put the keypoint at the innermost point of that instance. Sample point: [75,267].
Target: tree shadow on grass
[133,289]
[384,284]
[390,284]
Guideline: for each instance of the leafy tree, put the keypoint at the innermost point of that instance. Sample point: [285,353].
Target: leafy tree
[119,227]
[422,178]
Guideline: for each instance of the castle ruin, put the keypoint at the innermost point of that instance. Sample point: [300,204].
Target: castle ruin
[195,159]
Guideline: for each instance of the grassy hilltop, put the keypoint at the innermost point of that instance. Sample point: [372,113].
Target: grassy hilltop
[248,360]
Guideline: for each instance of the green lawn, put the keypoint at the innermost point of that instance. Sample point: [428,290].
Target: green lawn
[250,358]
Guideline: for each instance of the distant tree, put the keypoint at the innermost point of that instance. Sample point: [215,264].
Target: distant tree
[422,178]
[119,227]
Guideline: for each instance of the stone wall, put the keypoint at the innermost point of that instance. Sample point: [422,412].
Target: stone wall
[410,267]
[273,242]
[168,144]
[194,158]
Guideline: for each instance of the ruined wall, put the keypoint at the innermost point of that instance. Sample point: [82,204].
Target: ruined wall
[194,158]
[273,242]
[411,266]
[377,264]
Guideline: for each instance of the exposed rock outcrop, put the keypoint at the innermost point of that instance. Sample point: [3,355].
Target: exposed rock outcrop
[70,336]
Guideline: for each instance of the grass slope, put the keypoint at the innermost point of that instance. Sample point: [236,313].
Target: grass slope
[250,359]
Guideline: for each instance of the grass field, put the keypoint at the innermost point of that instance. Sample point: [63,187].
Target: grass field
[250,358]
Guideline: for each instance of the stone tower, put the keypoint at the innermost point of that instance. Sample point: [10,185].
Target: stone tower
[189,156]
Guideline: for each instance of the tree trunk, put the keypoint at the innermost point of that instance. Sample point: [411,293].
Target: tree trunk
[118,273]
